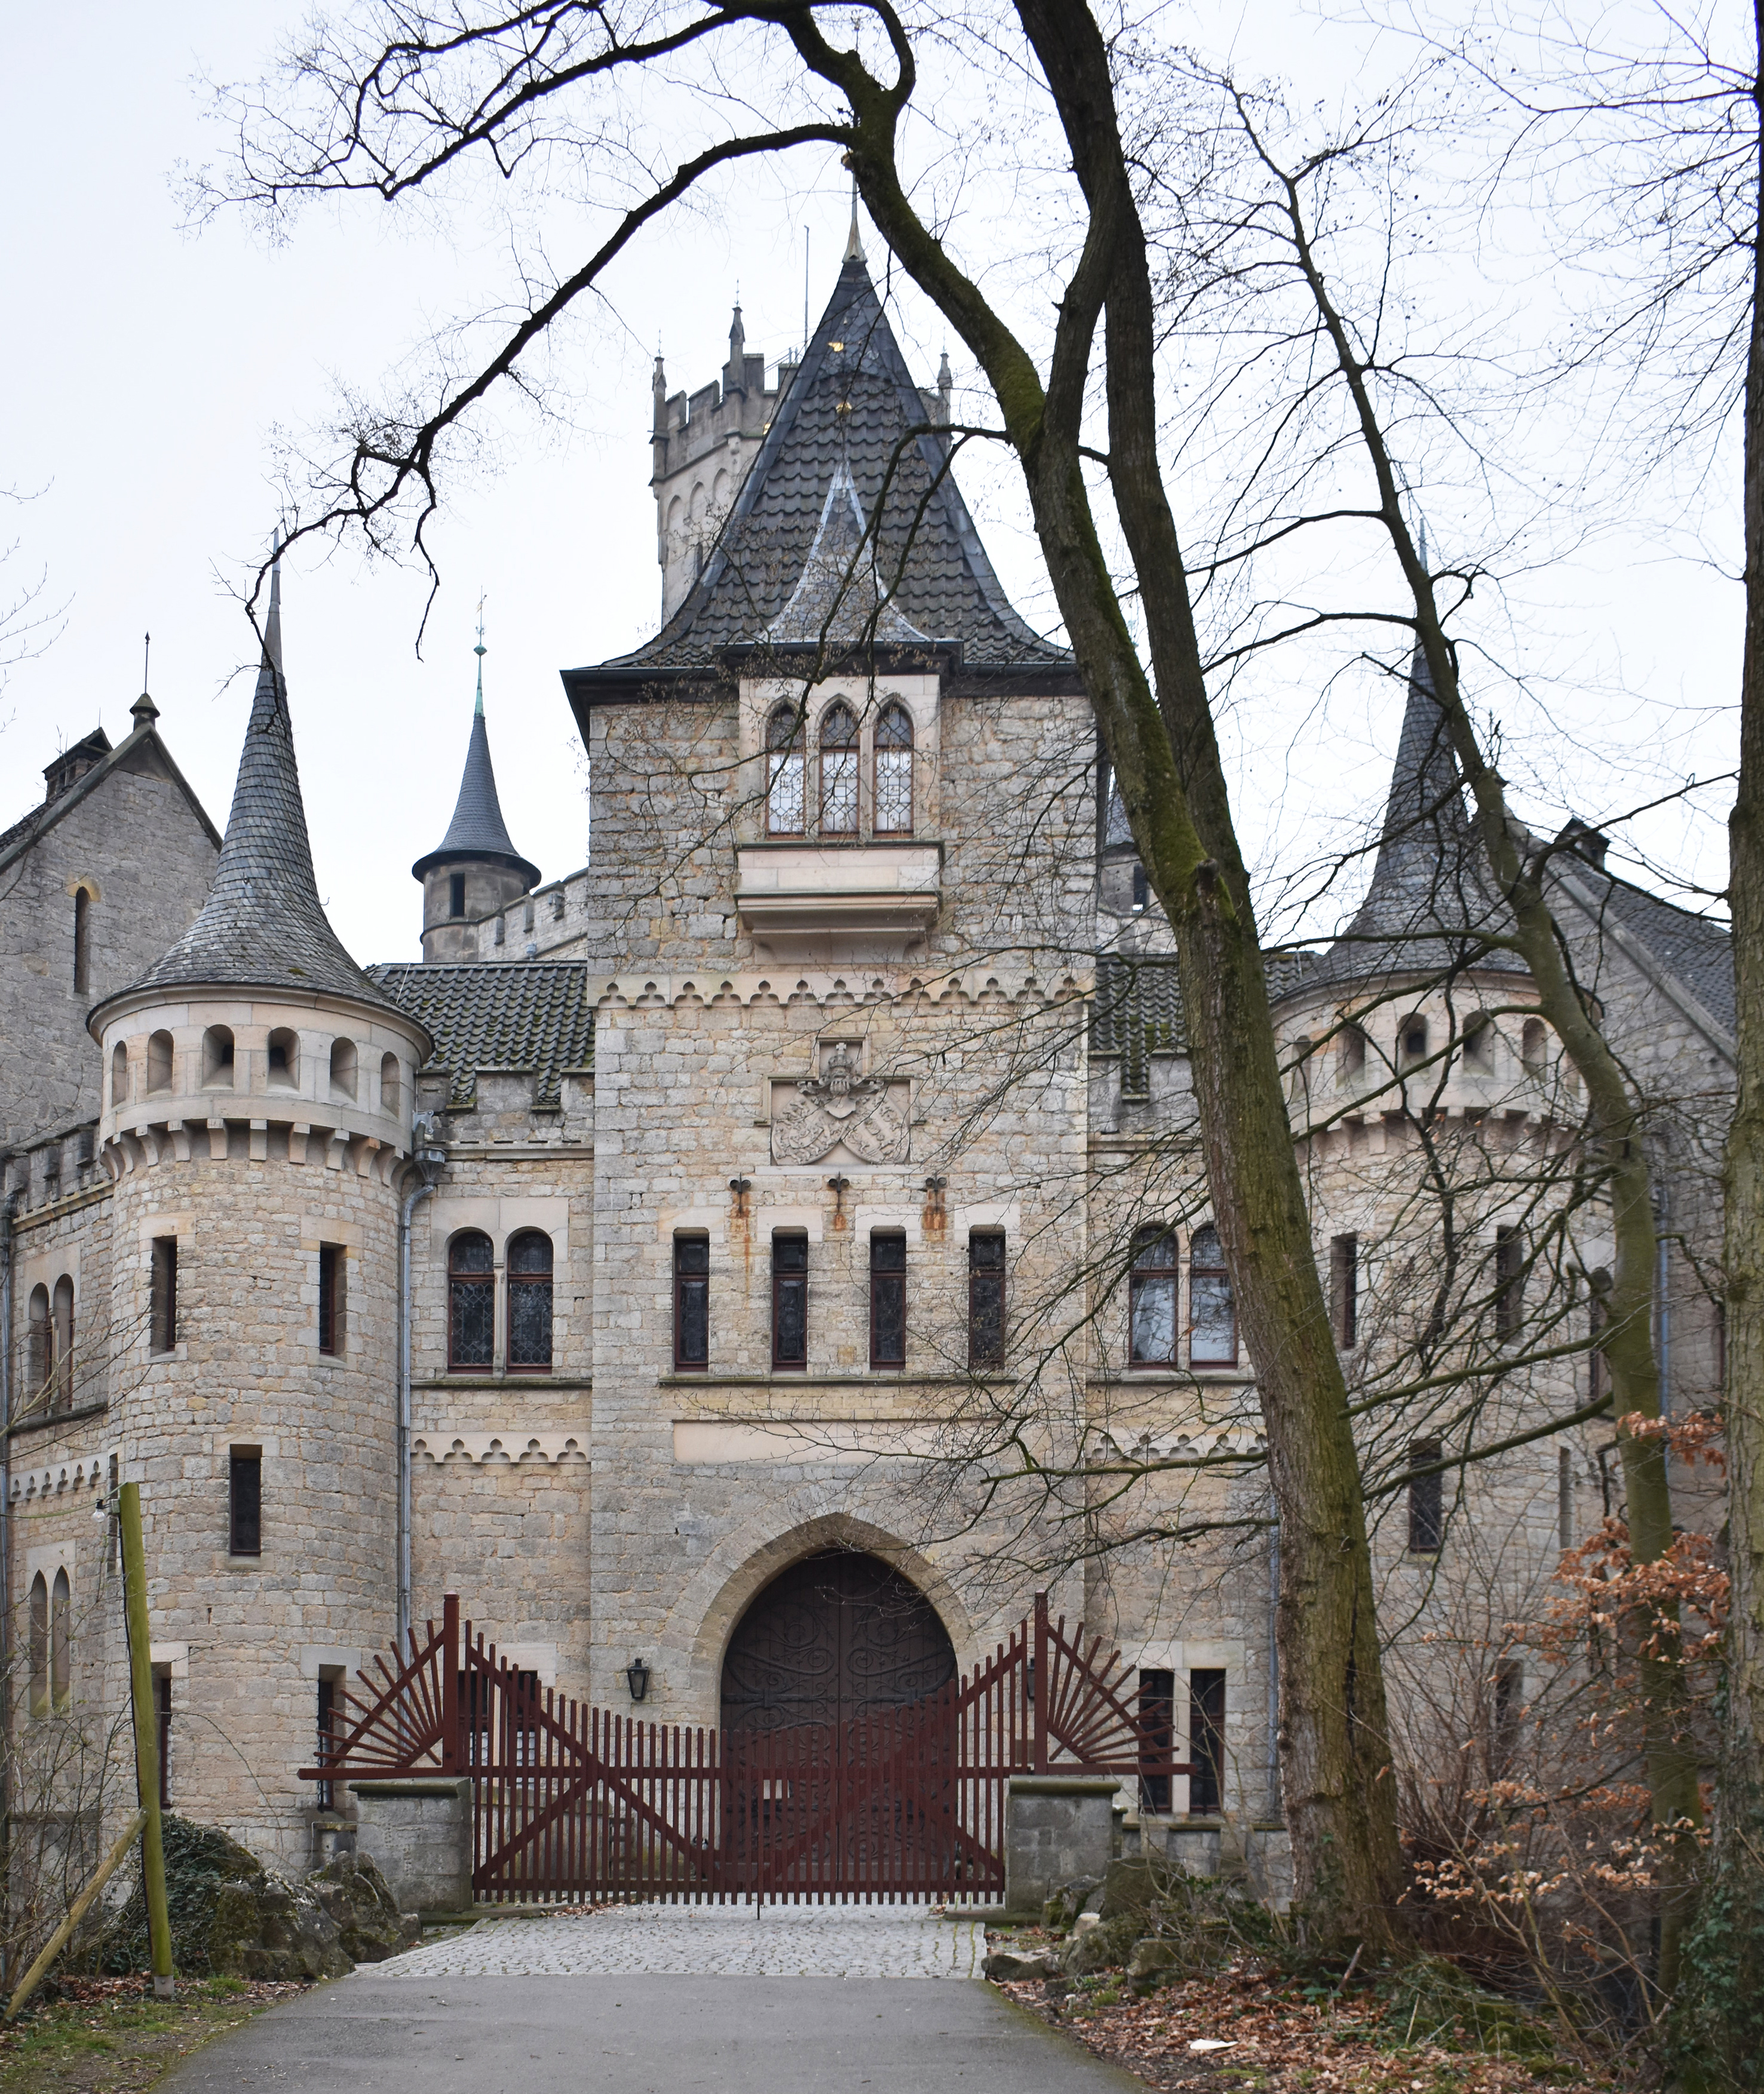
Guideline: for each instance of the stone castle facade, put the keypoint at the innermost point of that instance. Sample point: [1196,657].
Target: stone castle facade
[762,1189]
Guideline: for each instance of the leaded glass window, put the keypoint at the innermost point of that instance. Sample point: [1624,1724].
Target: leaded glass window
[894,770]
[529,1302]
[839,771]
[470,1302]
[784,773]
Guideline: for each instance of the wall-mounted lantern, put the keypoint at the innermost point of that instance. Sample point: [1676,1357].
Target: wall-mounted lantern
[637,1678]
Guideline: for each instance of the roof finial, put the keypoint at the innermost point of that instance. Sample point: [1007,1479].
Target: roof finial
[1422,522]
[143,710]
[480,650]
[854,245]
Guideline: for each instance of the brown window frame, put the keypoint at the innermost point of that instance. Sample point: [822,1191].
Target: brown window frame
[1157,1714]
[1211,1269]
[1143,1275]
[1344,1290]
[686,1282]
[888,1278]
[983,1279]
[535,1282]
[459,1277]
[784,1276]
[1206,1741]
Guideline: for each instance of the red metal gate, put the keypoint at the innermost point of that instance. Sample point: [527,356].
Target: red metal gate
[573,1802]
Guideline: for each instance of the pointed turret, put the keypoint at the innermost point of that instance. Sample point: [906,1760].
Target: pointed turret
[1430,900]
[475,871]
[852,409]
[263,925]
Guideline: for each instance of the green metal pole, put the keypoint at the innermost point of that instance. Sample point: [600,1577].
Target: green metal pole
[146,1737]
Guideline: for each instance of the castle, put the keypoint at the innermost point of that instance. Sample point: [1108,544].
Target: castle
[639,1263]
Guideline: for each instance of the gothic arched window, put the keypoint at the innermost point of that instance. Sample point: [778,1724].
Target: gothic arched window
[529,1303]
[1212,1312]
[119,1077]
[783,772]
[1151,1299]
[42,1340]
[39,1633]
[60,1643]
[839,771]
[61,1316]
[470,1302]
[894,770]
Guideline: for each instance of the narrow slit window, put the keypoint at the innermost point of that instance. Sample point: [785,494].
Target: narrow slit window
[161,1710]
[691,1304]
[343,1067]
[1510,1282]
[839,771]
[986,1298]
[887,1300]
[1344,1290]
[244,1502]
[82,941]
[1206,1741]
[529,1303]
[283,1071]
[894,770]
[217,1057]
[390,1087]
[42,1341]
[119,1077]
[61,1644]
[334,1282]
[1426,1500]
[1158,1736]
[784,773]
[471,1303]
[456,894]
[159,1061]
[331,1713]
[61,1314]
[39,1646]
[1212,1311]
[790,1301]
[162,1304]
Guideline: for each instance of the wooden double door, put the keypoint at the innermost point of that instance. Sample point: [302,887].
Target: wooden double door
[839,1743]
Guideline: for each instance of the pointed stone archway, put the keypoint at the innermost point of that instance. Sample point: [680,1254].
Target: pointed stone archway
[833,1639]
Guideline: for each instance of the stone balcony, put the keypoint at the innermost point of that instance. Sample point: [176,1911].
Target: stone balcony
[838,901]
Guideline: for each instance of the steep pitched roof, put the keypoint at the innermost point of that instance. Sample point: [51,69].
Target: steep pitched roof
[526,1015]
[849,406]
[477,830]
[1431,904]
[263,925]
[142,748]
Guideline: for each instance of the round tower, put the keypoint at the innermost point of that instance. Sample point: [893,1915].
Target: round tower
[258,1092]
[475,870]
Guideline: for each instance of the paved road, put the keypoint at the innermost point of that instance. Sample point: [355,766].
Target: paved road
[668,2000]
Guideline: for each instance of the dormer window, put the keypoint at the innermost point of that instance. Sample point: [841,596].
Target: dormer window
[783,772]
[839,771]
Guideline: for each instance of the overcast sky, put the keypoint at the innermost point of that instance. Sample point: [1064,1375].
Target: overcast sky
[145,370]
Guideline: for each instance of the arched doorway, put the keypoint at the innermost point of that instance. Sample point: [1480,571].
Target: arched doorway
[834,1638]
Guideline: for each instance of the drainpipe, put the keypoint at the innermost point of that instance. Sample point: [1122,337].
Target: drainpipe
[6,1207]
[428,1161]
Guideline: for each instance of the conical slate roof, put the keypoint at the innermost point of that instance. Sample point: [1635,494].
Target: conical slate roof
[1431,901]
[847,411]
[477,830]
[263,925]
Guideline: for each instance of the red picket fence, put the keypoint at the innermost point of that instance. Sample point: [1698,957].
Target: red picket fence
[573,1802]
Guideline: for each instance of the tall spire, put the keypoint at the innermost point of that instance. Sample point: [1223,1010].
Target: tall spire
[853,241]
[263,925]
[477,833]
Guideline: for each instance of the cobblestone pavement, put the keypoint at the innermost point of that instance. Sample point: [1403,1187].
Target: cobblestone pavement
[710,1941]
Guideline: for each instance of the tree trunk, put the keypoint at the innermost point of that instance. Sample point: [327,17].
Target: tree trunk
[1338,1789]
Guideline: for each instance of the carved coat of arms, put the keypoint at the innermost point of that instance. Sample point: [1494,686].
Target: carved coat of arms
[840,1106]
